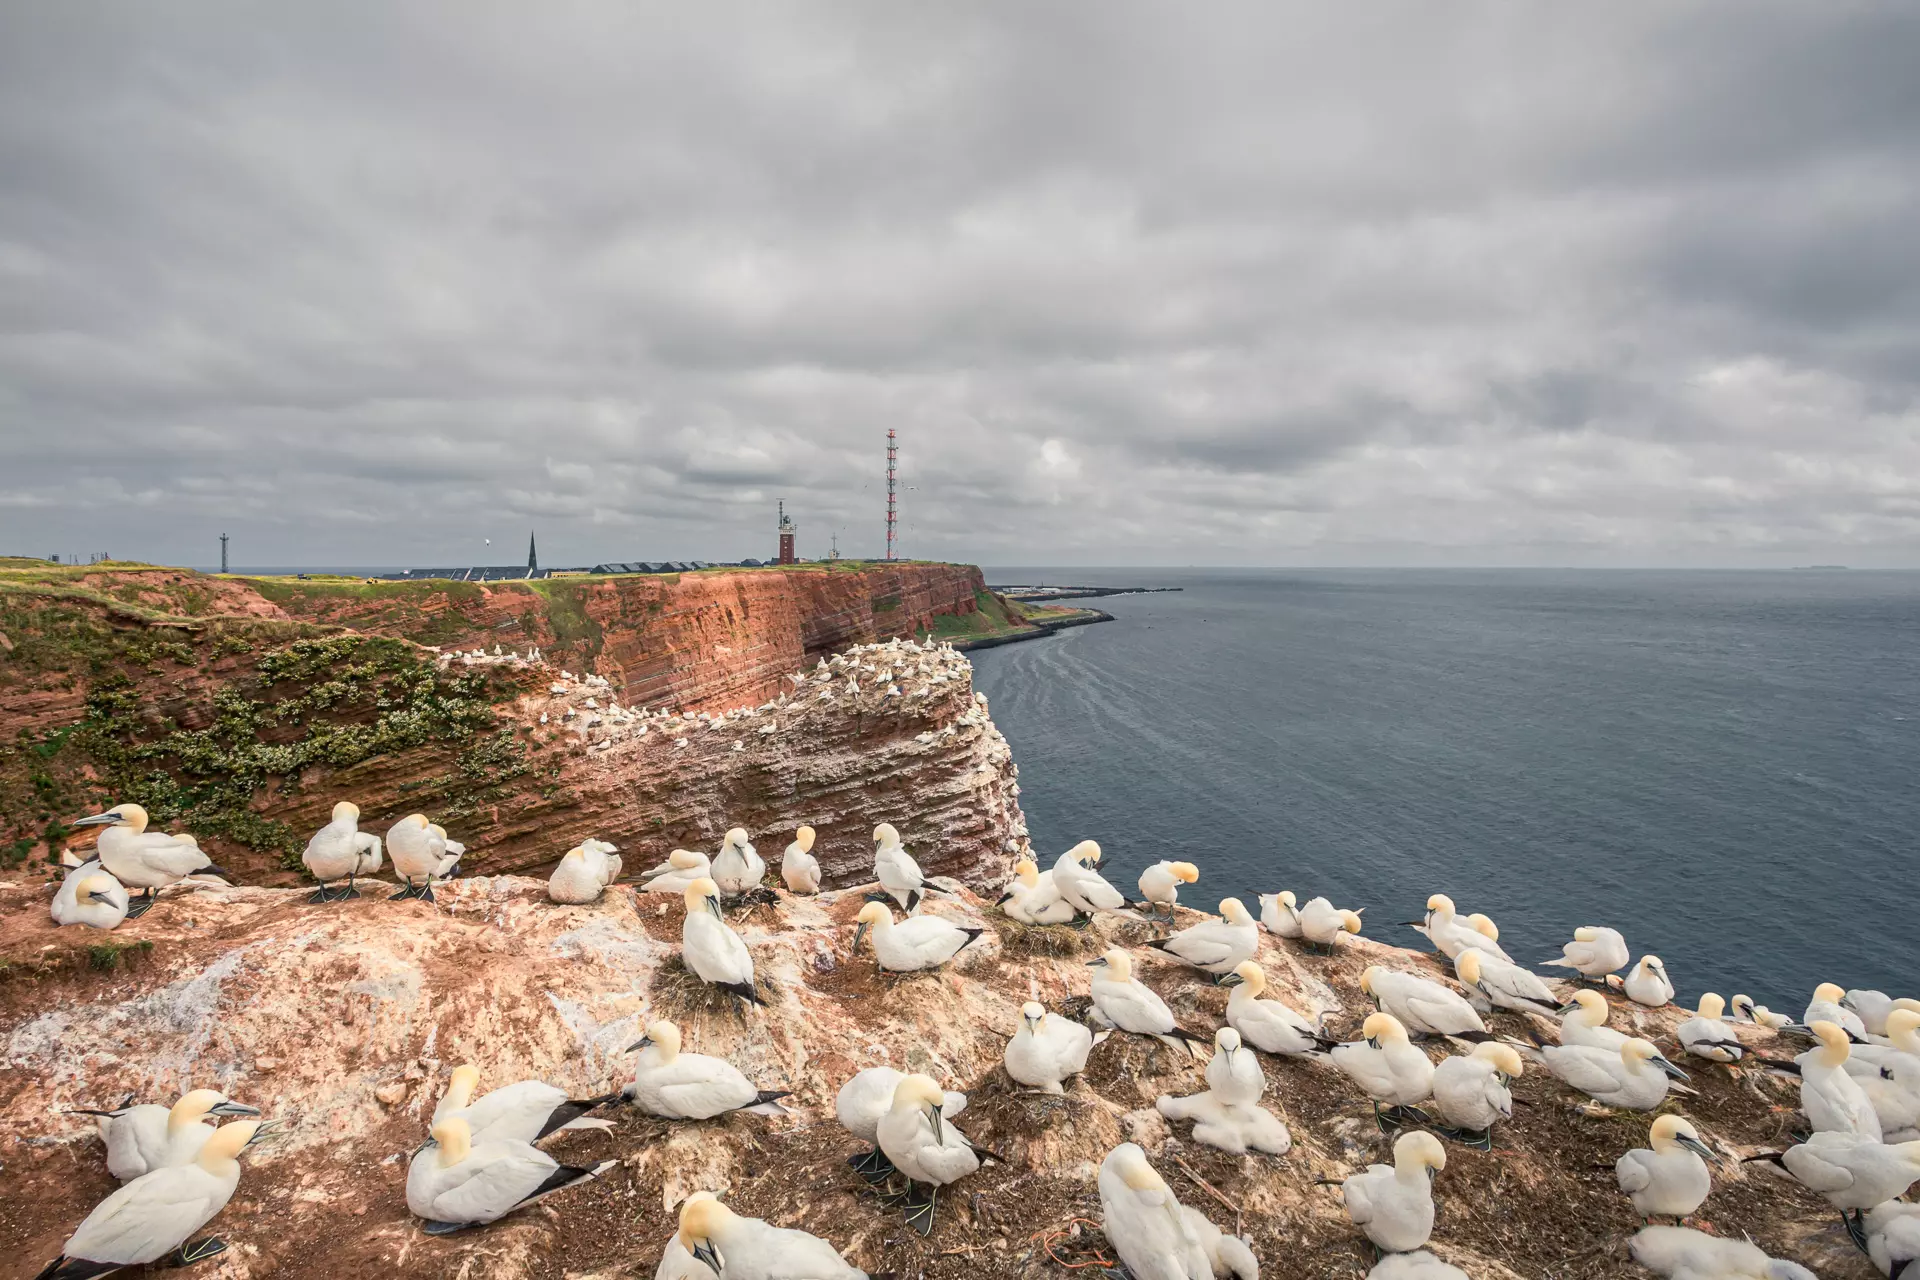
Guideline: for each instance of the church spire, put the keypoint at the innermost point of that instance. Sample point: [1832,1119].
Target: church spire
[533,558]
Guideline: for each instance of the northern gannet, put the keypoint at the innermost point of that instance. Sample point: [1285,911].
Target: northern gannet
[1321,923]
[1216,946]
[1160,884]
[90,896]
[1083,886]
[799,869]
[1826,1007]
[1871,1007]
[1893,1239]
[1393,1203]
[1671,1180]
[1122,1001]
[679,872]
[1502,985]
[1452,933]
[1681,1253]
[1234,1127]
[1833,1100]
[1854,1173]
[584,873]
[1031,898]
[1633,1077]
[1418,1265]
[1144,1222]
[1269,1025]
[1387,1066]
[421,852]
[710,949]
[1047,1048]
[691,1086]
[157,1213]
[140,1139]
[1470,1092]
[1892,1083]
[1229,1255]
[1648,983]
[751,1249]
[1234,1074]
[675,1262]
[1583,1020]
[1277,914]
[738,867]
[930,1152]
[1901,1040]
[525,1111]
[1594,953]
[918,942]
[454,1182]
[341,851]
[899,875]
[860,1104]
[1422,1005]
[145,860]
[1706,1035]
[1745,1010]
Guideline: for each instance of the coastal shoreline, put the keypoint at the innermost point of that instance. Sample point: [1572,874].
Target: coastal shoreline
[1044,627]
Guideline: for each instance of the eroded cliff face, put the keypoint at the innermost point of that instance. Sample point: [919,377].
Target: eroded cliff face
[344,1021]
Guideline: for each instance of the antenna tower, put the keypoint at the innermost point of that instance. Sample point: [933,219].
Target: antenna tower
[223,553]
[893,459]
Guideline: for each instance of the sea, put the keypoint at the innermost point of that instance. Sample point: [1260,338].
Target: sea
[1723,766]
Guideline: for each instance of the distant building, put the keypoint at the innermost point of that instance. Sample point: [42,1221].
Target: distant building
[787,530]
[533,559]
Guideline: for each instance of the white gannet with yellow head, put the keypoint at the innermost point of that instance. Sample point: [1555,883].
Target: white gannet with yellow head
[709,947]
[738,867]
[1269,1025]
[1829,1005]
[1648,983]
[341,851]
[899,875]
[584,873]
[691,1086]
[1125,1003]
[455,1182]
[918,942]
[860,1104]
[1671,1180]
[1216,946]
[1048,1048]
[1470,1092]
[1387,1065]
[140,1139]
[1832,1099]
[1322,923]
[1422,1005]
[1594,953]
[145,860]
[799,869]
[1278,915]
[1583,1020]
[90,896]
[1393,1204]
[1493,983]
[678,872]
[1706,1035]
[1633,1077]
[1145,1222]
[1745,1010]
[1451,933]
[1160,884]
[525,1111]
[1031,898]
[931,1152]
[1080,884]
[752,1249]
[421,854]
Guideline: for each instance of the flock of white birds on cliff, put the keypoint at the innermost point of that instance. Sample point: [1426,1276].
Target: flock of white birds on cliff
[1859,1081]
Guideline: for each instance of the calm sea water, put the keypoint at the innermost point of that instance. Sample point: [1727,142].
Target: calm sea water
[1724,766]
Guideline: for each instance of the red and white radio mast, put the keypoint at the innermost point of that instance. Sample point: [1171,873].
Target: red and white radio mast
[893,458]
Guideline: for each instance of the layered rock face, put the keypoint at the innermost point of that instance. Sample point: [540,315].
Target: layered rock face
[345,1020]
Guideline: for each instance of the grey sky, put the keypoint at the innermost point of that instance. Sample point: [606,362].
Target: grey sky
[1271,283]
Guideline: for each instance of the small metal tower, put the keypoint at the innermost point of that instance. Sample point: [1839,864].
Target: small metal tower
[893,459]
[223,553]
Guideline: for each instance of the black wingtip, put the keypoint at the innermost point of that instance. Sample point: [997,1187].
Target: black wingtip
[1475,1037]
[1158,944]
[64,1268]
[987,1153]
[771,1095]
[1181,1033]
[745,990]
[1773,1156]
[972,936]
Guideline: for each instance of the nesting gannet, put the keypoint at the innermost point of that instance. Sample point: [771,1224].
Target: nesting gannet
[1745,1010]
[678,873]
[1681,1253]
[920,1143]
[421,852]
[1083,886]
[1422,1005]
[1277,914]
[691,1086]
[341,851]
[1902,1039]
[751,1249]
[1854,1173]
[525,1111]
[1705,1035]
[1892,1085]
[1451,933]
[1160,884]
[1470,1092]
[1047,1048]
[1229,1255]
[584,873]
[710,949]
[860,1104]
[799,869]
[1672,1179]
[1031,898]
[1648,983]
[157,1213]
[1216,946]
[1321,923]
[675,1262]
[1418,1265]
[1122,1001]
[1387,1065]
[1893,1239]
[90,896]
[1870,1006]
[899,875]
[1143,1220]
[1269,1025]
[1234,1127]
[1234,1074]
[1502,985]
[1583,1020]
[1826,1007]
[1633,1077]
[918,942]
[145,860]
[455,1182]
[140,1139]
[1833,1100]
[1393,1203]
[738,867]
[1594,953]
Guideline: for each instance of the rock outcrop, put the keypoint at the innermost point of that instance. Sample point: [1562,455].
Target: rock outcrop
[344,1021]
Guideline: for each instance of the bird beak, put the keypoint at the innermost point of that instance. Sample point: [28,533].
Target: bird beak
[211,870]
[1672,1070]
[1698,1147]
[635,1048]
[97,820]
[858,934]
[422,1147]
[1003,899]
[1097,964]
[1232,980]
[1568,1007]
[933,1118]
[268,1129]
[713,905]
[1373,1042]
[230,1108]
[706,1253]
[1846,1002]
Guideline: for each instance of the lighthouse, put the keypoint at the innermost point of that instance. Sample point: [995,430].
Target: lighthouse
[786,536]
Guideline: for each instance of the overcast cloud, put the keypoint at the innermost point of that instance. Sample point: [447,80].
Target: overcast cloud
[1272,283]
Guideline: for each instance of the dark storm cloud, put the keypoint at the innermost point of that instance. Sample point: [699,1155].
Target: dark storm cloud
[372,284]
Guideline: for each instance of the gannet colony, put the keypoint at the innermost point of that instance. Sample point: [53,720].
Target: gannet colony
[1427,1053]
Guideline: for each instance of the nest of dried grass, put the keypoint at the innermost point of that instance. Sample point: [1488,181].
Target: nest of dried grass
[1053,941]
[677,992]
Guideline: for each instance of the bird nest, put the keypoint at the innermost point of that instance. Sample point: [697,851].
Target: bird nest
[1047,940]
[678,993]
